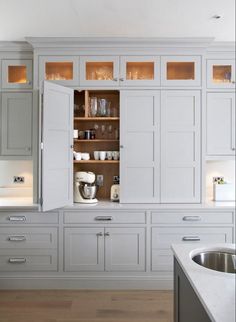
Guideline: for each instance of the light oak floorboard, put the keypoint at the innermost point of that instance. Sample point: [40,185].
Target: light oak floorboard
[86,306]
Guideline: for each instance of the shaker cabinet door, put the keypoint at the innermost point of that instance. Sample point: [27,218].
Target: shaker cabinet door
[57,143]
[180,147]
[16,124]
[125,249]
[84,249]
[220,121]
[140,146]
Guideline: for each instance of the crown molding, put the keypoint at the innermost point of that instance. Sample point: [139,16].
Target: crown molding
[120,42]
[15,46]
[222,46]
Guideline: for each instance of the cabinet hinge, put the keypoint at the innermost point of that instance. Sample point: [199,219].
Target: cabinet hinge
[41,145]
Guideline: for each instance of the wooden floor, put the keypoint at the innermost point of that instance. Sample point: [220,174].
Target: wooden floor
[86,306]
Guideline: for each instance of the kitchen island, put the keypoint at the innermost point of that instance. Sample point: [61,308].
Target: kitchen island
[214,290]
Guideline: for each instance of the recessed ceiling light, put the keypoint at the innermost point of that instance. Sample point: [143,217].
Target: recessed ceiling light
[216,17]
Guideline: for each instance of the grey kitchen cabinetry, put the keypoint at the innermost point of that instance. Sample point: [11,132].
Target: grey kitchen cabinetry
[140,146]
[28,242]
[180,146]
[16,124]
[17,73]
[181,70]
[104,249]
[63,70]
[221,73]
[181,227]
[187,306]
[220,124]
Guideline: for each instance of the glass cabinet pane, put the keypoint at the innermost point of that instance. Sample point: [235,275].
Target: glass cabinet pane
[100,71]
[180,70]
[222,73]
[17,74]
[59,70]
[140,70]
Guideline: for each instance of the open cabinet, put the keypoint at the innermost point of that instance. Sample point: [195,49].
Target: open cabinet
[65,113]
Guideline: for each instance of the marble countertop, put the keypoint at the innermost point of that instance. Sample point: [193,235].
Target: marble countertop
[216,290]
[27,202]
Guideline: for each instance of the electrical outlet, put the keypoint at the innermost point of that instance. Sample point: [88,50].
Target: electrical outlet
[18,179]
[100,180]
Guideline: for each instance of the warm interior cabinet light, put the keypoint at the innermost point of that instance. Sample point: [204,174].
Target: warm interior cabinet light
[99,70]
[59,71]
[222,73]
[180,70]
[17,74]
[140,70]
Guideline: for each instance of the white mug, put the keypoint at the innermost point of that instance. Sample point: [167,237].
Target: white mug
[109,155]
[85,156]
[96,155]
[78,156]
[76,134]
[102,155]
[115,155]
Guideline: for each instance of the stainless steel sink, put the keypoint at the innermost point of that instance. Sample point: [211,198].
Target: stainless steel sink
[217,260]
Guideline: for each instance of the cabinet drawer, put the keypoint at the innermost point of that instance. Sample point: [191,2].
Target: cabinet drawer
[190,218]
[162,238]
[28,218]
[99,217]
[28,237]
[12,260]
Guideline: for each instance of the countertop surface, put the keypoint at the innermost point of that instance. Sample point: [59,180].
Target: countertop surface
[20,202]
[216,290]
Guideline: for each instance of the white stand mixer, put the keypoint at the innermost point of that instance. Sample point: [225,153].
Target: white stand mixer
[84,187]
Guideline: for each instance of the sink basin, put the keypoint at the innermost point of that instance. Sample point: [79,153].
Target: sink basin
[217,260]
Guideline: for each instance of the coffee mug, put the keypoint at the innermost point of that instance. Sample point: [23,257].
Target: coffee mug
[109,155]
[76,134]
[102,155]
[78,156]
[115,155]
[85,156]
[96,155]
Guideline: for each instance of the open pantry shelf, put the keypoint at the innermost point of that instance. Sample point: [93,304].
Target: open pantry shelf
[97,161]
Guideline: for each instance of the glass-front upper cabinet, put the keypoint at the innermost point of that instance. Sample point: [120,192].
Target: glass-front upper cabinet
[181,70]
[17,73]
[139,70]
[99,70]
[220,73]
[63,70]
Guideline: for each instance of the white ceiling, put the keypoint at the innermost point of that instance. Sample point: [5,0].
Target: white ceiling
[134,18]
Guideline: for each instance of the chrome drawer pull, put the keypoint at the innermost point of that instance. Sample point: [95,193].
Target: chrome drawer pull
[191,238]
[17,260]
[17,218]
[103,218]
[17,238]
[192,218]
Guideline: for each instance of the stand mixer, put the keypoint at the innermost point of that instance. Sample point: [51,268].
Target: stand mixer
[84,187]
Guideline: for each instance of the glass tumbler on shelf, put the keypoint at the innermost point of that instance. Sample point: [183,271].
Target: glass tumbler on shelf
[93,107]
[103,107]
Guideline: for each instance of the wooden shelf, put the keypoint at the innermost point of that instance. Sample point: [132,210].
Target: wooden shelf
[95,140]
[96,119]
[97,161]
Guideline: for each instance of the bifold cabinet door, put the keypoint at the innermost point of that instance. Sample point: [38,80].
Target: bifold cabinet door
[16,124]
[180,146]
[220,124]
[84,249]
[57,153]
[140,146]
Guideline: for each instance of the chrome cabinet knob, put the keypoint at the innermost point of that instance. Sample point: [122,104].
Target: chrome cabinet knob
[122,79]
[107,234]
[115,79]
[100,234]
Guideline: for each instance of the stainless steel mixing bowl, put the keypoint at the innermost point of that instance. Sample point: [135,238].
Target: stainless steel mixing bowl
[88,191]
[217,260]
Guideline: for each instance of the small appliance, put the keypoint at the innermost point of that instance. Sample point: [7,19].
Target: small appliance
[115,189]
[85,188]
